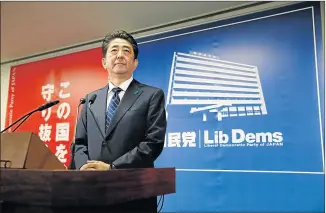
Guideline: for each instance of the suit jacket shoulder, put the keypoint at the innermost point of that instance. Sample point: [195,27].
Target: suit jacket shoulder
[149,88]
[106,87]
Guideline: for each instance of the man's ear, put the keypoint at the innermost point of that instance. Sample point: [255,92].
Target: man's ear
[104,63]
[135,63]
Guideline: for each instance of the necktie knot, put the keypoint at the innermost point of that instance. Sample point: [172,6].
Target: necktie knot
[116,90]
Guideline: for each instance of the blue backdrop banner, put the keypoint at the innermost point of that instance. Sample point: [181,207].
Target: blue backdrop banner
[244,101]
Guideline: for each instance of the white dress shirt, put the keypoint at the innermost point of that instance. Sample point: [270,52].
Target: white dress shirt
[124,86]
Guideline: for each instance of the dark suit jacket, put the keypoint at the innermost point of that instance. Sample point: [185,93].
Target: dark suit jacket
[135,137]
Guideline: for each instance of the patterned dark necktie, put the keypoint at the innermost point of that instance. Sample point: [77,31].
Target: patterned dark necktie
[114,103]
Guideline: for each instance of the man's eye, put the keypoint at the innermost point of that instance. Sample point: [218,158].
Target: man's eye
[113,50]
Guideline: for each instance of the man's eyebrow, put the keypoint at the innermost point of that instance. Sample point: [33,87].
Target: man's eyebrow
[125,46]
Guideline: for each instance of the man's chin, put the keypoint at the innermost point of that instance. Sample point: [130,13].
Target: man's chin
[119,71]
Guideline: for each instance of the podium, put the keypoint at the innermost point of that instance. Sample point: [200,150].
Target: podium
[80,191]
[33,186]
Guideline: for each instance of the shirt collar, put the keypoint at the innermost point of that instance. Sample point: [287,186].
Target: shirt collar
[124,86]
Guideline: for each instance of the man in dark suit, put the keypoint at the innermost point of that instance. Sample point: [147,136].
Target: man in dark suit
[131,117]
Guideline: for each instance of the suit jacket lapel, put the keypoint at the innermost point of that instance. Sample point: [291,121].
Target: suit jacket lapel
[131,95]
[99,107]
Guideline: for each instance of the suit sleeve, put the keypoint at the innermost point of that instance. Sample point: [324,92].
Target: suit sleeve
[151,147]
[81,142]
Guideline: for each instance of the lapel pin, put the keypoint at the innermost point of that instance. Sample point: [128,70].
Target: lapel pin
[136,92]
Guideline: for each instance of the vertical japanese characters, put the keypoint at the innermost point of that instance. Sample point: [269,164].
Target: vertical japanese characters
[62,126]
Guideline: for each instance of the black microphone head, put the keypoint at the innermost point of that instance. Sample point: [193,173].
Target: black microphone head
[92,99]
[55,102]
[48,105]
[82,101]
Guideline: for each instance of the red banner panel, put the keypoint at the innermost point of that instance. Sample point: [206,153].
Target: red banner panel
[65,78]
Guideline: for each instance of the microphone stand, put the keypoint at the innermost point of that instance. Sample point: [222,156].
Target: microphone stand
[72,146]
[23,117]
[26,117]
[90,102]
[43,107]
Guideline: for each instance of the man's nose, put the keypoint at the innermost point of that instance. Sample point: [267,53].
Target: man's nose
[120,54]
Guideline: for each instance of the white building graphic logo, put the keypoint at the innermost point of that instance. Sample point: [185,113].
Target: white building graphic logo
[210,85]
[206,84]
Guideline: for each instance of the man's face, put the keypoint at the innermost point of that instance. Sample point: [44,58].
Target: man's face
[119,58]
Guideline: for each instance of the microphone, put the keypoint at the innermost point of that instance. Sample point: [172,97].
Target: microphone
[90,102]
[26,116]
[48,105]
[72,145]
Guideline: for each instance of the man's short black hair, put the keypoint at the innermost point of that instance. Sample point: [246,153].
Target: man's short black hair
[119,34]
